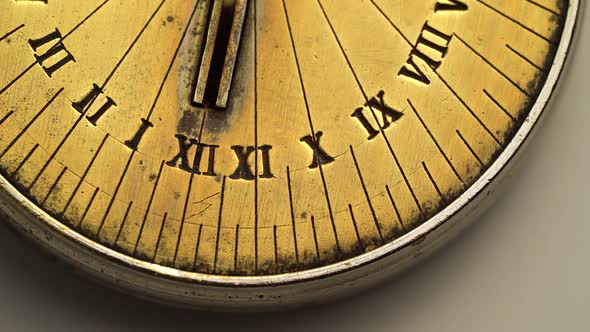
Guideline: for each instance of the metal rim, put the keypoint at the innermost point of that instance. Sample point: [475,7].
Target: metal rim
[443,217]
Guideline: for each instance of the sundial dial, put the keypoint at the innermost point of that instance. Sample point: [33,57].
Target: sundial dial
[256,153]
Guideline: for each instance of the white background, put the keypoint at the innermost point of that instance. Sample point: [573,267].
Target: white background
[524,266]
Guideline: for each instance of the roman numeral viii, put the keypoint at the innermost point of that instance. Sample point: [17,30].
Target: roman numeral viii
[431,48]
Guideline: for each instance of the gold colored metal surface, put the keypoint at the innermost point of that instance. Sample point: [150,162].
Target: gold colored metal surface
[345,124]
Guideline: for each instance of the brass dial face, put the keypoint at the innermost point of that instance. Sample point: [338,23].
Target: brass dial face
[254,138]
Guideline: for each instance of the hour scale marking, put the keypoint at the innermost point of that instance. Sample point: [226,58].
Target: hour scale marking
[255,138]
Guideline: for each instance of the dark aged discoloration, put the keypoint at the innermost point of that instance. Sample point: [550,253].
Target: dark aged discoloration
[189,116]
[217,122]
[309,260]
[535,85]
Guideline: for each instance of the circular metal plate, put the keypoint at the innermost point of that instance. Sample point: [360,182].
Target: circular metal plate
[250,154]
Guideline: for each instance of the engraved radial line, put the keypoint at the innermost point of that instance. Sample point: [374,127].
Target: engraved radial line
[295,54]
[516,22]
[109,207]
[499,105]
[83,177]
[311,124]
[442,197]
[53,186]
[8,115]
[8,34]
[358,170]
[391,22]
[315,238]
[236,243]
[147,210]
[128,164]
[57,149]
[197,245]
[492,65]
[188,196]
[439,76]
[543,7]
[25,159]
[150,112]
[471,112]
[356,228]
[366,97]
[174,58]
[471,150]
[256,135]
[132,155]
[24,72]
[526,59]
[274,237]
[135,40]
[158,94]
[435,142]
[26,128]
[123,222]
[219,224]
[399,217]
[18,77]
[63,141]
[112,201]
[292,214]
[88,206]
[164,219]
[85,19]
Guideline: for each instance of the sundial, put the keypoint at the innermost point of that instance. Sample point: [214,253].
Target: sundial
[259,153]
